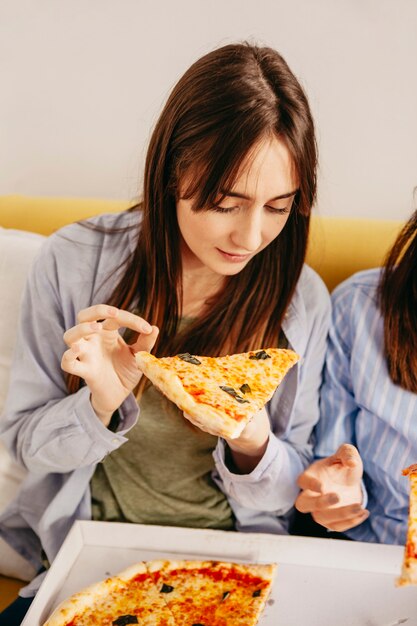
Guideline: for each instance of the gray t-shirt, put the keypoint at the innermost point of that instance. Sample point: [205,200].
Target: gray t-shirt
[162,475]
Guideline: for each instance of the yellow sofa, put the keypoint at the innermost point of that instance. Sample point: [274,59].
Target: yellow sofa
[338,248]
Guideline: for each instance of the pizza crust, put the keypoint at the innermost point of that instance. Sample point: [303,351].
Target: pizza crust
[104,596]
[83,600]
[159,565]
[409,566]
[263,570]
[408,574]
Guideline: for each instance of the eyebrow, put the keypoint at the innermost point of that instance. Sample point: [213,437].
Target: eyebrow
[233,194]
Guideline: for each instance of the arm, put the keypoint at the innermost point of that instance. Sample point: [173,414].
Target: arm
[332,486]
[293,412]
[46,429]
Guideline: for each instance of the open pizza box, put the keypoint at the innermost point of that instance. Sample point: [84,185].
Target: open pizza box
[319,582]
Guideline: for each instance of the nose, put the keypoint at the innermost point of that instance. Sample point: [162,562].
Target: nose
[247,235]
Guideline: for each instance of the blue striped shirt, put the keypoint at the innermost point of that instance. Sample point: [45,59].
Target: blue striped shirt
[361,405]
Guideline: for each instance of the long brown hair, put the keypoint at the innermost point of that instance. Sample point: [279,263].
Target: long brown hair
[398,302]
[222,106]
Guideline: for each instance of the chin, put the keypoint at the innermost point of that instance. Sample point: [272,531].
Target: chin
[230,270]
[233,272]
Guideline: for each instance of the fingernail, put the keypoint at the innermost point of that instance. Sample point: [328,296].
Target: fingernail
[146,328]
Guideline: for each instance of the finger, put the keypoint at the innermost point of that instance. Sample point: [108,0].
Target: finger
[309,501]
[97,312]
[126,319]
[80,331]
[339,514]
[71,364]
[307,480]
[346,524]
[349,455]
[114,318]
[146,342]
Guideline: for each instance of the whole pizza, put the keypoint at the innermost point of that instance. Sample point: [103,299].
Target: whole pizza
[172,593]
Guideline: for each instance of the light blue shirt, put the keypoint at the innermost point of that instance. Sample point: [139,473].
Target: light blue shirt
[60,440]
[361,405]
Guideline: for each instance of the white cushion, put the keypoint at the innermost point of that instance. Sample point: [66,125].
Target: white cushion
[17,250]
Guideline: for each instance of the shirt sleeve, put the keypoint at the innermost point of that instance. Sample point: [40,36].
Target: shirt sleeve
[272,485]
[45,429]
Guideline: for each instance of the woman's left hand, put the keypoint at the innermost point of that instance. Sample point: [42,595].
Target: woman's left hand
[248,449]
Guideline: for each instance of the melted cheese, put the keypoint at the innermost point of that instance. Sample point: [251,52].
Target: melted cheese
[158,592]
[409,568]
[214,594]
[203,382]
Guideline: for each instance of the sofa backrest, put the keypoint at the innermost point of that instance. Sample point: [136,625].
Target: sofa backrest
[338,247]
[17,250]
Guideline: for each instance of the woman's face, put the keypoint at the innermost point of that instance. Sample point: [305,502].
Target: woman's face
[223,239]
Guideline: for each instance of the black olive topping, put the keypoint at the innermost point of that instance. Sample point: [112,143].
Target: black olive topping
[260,356]
[225,594]
[233,393]
[166,588]
[189,358]
[197,624]
[256,593]
[123,620]
[245,388]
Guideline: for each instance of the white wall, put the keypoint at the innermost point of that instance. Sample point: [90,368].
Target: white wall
[82,82]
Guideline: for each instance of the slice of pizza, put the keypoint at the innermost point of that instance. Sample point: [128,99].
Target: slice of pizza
[131,597]
[219,394]
[246,589]
[213,593]
[409,567]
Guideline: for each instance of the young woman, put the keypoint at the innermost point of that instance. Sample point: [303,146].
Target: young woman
[212,262]
[369,400]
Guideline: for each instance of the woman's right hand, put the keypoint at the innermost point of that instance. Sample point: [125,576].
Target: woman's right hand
[332,492]
[98,354]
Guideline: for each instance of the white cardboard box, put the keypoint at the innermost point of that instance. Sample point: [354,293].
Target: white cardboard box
[319,582]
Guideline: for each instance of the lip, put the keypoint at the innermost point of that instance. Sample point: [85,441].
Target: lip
[233,258]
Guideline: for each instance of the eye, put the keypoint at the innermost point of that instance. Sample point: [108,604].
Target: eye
[223,209]
[278,211]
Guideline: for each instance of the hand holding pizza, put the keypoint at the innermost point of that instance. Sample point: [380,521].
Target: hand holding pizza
[98,354]
[249,448]
[224,396]
[331,490]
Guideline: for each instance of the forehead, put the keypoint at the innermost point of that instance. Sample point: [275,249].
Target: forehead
[268,168]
